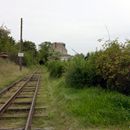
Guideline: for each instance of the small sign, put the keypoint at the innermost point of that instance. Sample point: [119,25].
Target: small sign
[20,54]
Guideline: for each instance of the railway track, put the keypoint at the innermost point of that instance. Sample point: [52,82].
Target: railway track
[17,103]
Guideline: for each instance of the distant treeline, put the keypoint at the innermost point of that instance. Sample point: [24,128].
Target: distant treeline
[32,55]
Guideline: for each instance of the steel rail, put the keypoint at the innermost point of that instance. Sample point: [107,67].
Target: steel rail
[31,112]
[10,100]
[6,88]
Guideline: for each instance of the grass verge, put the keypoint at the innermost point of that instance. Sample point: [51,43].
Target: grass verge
[9,72]
[85,109]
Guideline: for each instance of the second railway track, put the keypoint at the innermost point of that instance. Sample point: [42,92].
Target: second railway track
[17,103]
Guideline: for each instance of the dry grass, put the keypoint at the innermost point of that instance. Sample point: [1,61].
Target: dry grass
[9,72]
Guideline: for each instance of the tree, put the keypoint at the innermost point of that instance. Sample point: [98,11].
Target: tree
[45,51]
[6,41]
[30,52]
[29,46]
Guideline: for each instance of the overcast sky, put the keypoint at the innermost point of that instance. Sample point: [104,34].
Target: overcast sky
[78,23]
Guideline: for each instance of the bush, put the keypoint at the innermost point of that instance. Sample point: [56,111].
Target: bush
[113,64]
[109,68]
[56,68]
[80,73]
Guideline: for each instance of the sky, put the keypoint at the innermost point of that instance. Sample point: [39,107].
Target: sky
[78,23]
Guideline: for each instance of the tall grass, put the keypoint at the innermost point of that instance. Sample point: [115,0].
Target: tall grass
[9,72]
[87,108]
[94,107]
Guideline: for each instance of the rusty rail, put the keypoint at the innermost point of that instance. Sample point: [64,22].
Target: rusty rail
[6,88]
[10,100]
[31,112]
[8,103]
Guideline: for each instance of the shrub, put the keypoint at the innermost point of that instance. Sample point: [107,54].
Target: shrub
[113,64]
[56,68]
[80,73]
[109,68]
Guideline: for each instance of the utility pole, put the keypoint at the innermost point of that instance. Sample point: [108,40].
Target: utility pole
[20,54]
[21,33]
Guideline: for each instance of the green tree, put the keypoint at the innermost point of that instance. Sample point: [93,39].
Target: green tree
[6,41]
[30,52]
[45,51]
[29,46]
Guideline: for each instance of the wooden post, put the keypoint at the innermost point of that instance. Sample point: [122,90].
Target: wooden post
[21,41]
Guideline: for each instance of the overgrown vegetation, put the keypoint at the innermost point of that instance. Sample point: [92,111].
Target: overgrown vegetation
[113,63]
[97,107]
[108,68]
[56,68]
[79,73]
[83,109]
